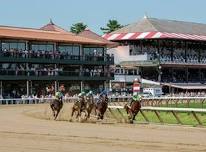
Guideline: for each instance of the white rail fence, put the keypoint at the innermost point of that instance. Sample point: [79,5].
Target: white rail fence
[155,101]
[191,111]
[116,103]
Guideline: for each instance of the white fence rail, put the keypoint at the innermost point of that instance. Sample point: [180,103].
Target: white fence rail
[174,112]
[155,101]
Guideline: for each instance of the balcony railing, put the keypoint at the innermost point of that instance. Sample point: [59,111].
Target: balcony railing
[54,56]
[167,59]
[52,75]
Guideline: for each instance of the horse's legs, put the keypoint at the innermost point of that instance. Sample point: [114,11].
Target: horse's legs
[88,113]
[72,112]
[57,114]
[134,116]
[89,110]
[53,110]
[102,116]
[98,115]
[78,113]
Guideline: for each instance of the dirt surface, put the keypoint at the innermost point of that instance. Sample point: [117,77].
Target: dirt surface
[19,132]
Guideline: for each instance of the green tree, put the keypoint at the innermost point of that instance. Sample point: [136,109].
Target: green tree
[78,27]
[112,25]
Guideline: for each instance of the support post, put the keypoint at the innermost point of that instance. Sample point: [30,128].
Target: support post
[1,89]
[196,117]
[81,86]
[158,116]
[105,85]
[27,88]
[147,120]
[55,86]
[177,118]
[31,92]
[110,85]
[113,114]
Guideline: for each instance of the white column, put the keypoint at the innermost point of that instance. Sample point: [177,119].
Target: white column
[81,50]
[105,85]
[55,86]
[81,86]
[27,88]
[27,45]
[110,85]
[1,91]
[31,87]
[54,49]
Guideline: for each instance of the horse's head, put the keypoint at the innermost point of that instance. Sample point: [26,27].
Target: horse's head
[89,98]
[104,98]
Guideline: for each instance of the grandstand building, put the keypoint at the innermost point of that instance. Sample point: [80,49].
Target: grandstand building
[32,59]
[166,51]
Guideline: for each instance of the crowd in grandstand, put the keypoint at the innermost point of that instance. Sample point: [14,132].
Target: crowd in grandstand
[188,94]
[52,72]
[52,54]
[166,56]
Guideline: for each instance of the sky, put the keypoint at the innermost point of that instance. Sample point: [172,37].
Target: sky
[96,13]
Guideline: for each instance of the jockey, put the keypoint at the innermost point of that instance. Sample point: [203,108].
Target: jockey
[81,96]
[90,96]
[81,99]
[59,94]
[135,98]
[101,95]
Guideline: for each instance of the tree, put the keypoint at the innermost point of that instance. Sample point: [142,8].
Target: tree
[78,27]
[112,25]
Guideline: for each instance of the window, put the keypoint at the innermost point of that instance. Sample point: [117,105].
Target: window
[42,47]
[93,51]
[5,46]
[21,46]
[13,45]
[70,49]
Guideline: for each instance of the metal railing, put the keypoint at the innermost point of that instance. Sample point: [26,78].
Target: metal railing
[157,110]
[49,55]
[46,100]
[154,101]
[5,72]
[174,101]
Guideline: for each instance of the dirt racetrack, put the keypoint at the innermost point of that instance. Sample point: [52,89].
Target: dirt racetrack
[22,133]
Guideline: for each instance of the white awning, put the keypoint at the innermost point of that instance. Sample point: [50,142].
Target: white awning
[144,81]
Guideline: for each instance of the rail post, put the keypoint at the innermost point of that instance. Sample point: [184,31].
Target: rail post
[196,117]
[158,116]
[176,116]
[145,118]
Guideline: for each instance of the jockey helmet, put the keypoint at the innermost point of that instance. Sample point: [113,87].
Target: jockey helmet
[90,93]
[58,95]
[81,94]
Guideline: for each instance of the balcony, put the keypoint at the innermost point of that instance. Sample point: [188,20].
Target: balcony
[52,75]
[182,60]
[7,57]
[125,78]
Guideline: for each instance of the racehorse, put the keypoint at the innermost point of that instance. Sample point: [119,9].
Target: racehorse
[132,110]
[89,105]
[79,107]
[56,105]
[101,107]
